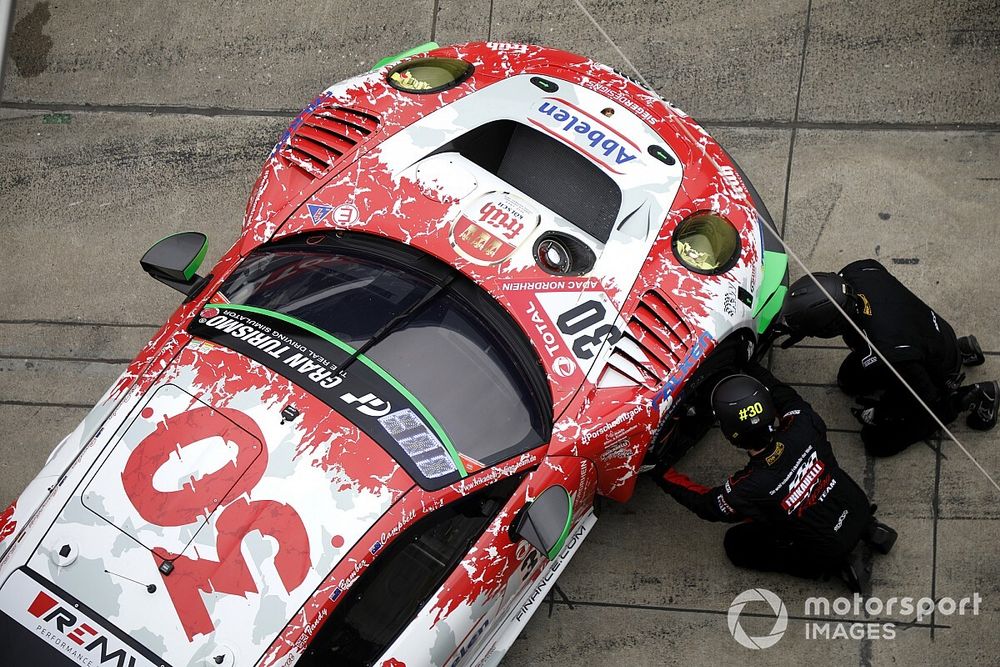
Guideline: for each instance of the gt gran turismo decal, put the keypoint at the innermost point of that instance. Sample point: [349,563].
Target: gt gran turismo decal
[67,626]
[365,394]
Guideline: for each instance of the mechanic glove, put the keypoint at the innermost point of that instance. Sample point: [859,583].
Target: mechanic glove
[671,476]
[866,416]
[671,480]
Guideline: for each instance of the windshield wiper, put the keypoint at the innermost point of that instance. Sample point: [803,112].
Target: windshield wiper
[403,317]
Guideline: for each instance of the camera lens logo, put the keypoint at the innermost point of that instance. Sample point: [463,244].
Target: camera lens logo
[780,622]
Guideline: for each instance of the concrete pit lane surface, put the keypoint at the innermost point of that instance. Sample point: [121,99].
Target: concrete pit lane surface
[869,129]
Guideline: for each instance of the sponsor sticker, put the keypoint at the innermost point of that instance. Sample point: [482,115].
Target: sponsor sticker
[345,214]
[318,212]
[493,226]
[64,624]
[805,478]
[663,400]
[588,134]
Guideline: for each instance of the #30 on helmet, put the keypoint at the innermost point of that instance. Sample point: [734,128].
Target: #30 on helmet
[743,407]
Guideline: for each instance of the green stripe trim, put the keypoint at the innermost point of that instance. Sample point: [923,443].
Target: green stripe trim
[775,265]
[557,547]
[438,430]
[192,268]
[427,46]
[771,308]
[771,294]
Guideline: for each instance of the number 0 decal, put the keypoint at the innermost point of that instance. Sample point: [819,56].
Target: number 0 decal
[578,318]
[581,318]
[181,507]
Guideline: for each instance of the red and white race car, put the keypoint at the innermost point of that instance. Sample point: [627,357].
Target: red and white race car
[476,288]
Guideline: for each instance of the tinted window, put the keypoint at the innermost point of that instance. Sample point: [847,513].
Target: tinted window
[440,336]
[349,297]
[402,579]
[461,373]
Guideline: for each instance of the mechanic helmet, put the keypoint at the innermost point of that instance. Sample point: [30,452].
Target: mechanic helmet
[744,409]
[808,311]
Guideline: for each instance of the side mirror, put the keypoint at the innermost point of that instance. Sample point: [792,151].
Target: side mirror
[174,261]
[545,522]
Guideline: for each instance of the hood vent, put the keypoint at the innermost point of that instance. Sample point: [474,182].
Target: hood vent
[655,340]
[324,136]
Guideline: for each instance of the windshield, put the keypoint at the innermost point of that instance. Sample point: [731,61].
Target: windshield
[449,345]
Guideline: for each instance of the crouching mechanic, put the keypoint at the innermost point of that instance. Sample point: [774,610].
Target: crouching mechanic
[801,513]
[915,340]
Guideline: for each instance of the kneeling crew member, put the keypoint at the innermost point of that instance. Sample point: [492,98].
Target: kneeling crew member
[802,514]
[915,340]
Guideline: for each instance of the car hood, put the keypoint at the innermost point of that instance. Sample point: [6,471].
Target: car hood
[414,178]
[212,513]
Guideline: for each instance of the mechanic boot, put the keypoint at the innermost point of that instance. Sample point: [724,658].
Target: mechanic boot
[854,573]
[972,354]
[879,536]
[985,403]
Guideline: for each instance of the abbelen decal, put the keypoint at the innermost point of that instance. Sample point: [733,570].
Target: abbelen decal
[590,135]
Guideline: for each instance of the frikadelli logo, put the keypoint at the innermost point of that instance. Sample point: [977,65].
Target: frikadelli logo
[590,135]
[780,621]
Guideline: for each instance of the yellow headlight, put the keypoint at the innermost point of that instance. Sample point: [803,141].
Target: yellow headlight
[429,75]
[707,243]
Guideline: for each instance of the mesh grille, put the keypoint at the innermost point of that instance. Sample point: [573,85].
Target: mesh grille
[653,343]
[558,177]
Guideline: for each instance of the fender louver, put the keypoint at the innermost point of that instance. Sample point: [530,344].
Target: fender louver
[655,340]
[324,136]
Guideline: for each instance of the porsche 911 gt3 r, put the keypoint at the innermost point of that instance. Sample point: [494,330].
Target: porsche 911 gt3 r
[475,289]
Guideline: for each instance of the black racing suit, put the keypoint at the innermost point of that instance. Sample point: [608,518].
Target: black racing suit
[802,513]
[917,341]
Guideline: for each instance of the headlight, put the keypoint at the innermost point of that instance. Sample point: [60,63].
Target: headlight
[429,75]
[706,243]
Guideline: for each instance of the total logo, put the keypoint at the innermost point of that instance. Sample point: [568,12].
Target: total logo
[564,367]
[591,136]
